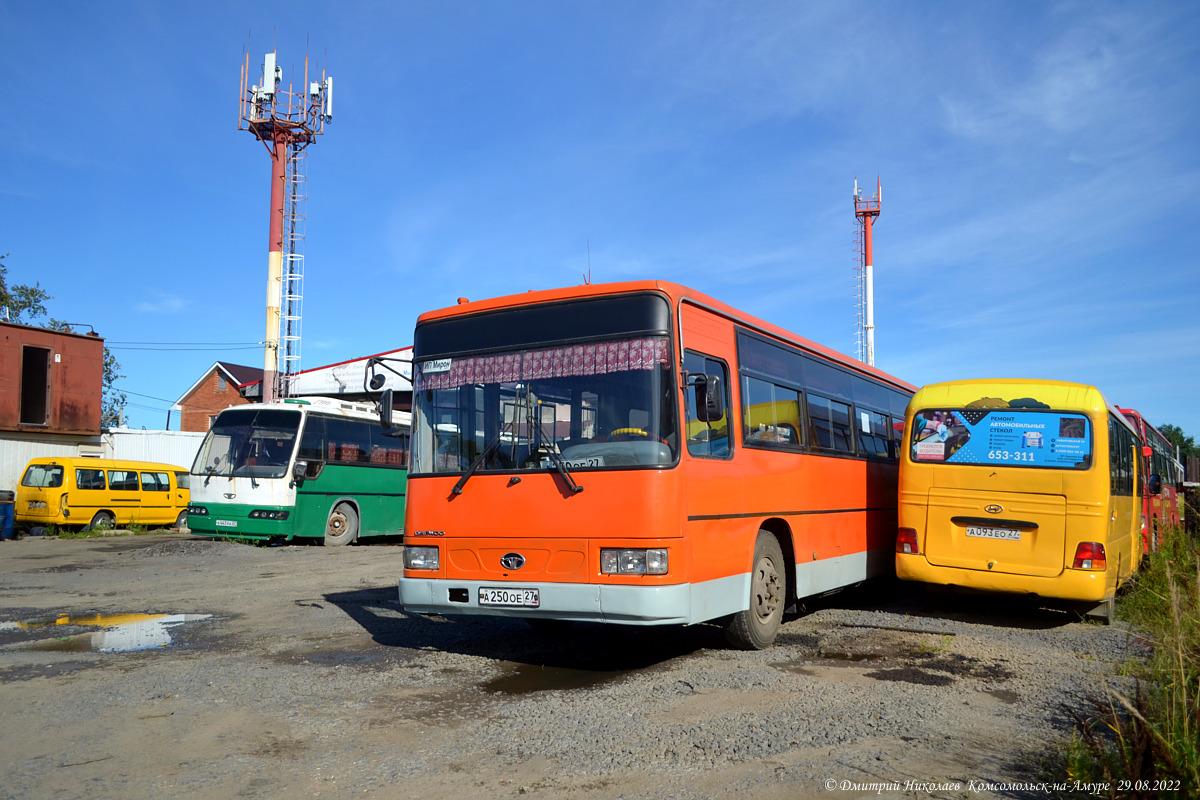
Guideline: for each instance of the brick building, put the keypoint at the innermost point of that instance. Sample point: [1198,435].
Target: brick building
[216,390]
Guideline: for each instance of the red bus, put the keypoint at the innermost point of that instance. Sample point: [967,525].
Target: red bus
[640,453]
[1161,489]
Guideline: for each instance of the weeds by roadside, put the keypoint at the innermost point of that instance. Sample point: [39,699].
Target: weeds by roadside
[1145,742]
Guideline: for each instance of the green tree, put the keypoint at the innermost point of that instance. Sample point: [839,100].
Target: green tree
[1175,434]
[26,304]
[20,301]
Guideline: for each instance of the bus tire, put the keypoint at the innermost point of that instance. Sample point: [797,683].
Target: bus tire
[342,526]
[103,520]
[181,520]
[755,628]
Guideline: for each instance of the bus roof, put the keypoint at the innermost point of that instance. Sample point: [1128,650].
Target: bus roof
[1059,395]
[677,294]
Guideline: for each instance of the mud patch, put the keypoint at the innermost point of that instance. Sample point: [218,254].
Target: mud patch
[911,674]
[532,678]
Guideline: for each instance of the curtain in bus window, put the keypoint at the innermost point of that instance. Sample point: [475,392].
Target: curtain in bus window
[587,359]
[89,479]
[348,441]
[390,450]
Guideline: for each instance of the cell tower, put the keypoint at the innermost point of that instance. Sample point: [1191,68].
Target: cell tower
[866,209]
[286,122]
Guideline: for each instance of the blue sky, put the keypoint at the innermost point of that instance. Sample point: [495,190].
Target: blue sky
[1039,162]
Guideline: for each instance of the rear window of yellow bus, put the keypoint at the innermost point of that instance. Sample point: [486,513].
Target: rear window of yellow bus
[1002,437]
[43,476]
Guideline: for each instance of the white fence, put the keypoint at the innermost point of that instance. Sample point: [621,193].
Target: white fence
[167,447]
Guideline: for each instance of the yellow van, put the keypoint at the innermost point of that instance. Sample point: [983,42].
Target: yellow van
[1021,487]
[99,492]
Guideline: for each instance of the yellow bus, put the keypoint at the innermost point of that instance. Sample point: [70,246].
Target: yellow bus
[101,492]
[1022,487]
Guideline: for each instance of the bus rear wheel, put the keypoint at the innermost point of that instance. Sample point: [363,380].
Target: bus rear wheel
[101,522]
[342,526]
[755,628]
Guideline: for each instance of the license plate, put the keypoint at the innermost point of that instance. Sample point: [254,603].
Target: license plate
[227,523]
[514,598]
[994,533]
[36,504]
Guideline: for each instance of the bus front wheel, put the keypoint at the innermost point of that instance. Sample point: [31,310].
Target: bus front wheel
[342,526]
[755,628]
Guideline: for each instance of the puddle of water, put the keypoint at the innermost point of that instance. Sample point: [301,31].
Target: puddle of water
[122,633]
[529,678]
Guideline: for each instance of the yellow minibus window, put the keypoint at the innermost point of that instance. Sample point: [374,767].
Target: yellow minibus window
[89,479]
[43,476]
[182,481]
[155,482]
[120,480]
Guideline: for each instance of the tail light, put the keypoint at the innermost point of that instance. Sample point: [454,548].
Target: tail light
[1090,555]
[906,542]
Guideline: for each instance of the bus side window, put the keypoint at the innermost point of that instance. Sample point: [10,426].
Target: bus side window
[89,479]
[155,482]
[312,443]
[706,439]
[120,480]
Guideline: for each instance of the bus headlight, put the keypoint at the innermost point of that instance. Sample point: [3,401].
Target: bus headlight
[197,511]
[633,562]
[420,557]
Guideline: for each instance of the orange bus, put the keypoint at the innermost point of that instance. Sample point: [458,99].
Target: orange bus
[1160,488]
[640,453]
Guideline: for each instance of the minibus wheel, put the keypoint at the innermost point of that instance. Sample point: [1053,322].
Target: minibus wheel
[755,628]
[181,520]
[102,521]
[342,526]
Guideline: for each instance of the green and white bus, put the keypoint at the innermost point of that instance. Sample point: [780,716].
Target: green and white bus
[303,468]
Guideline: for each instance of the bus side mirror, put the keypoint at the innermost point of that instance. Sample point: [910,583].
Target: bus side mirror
[1155,484]
[385,410]
[710,397]
[304,470]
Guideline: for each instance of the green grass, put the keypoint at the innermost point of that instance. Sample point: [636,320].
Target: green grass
[132,529]
[1143,740]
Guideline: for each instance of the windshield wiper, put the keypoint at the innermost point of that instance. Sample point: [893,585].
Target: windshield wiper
[557,460]
[561,466]
[477,463]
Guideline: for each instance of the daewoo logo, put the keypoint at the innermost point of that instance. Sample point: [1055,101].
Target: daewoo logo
[428,533]
[993,509]
[512,560]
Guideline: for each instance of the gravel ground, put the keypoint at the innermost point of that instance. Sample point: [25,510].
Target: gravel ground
[305,679]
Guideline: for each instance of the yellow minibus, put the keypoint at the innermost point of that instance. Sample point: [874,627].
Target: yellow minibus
[1022,487]
[100,492]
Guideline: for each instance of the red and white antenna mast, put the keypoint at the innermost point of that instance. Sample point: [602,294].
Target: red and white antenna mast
[866,209]
[286,122]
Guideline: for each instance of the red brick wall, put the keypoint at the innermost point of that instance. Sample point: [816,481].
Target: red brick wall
[208,400]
